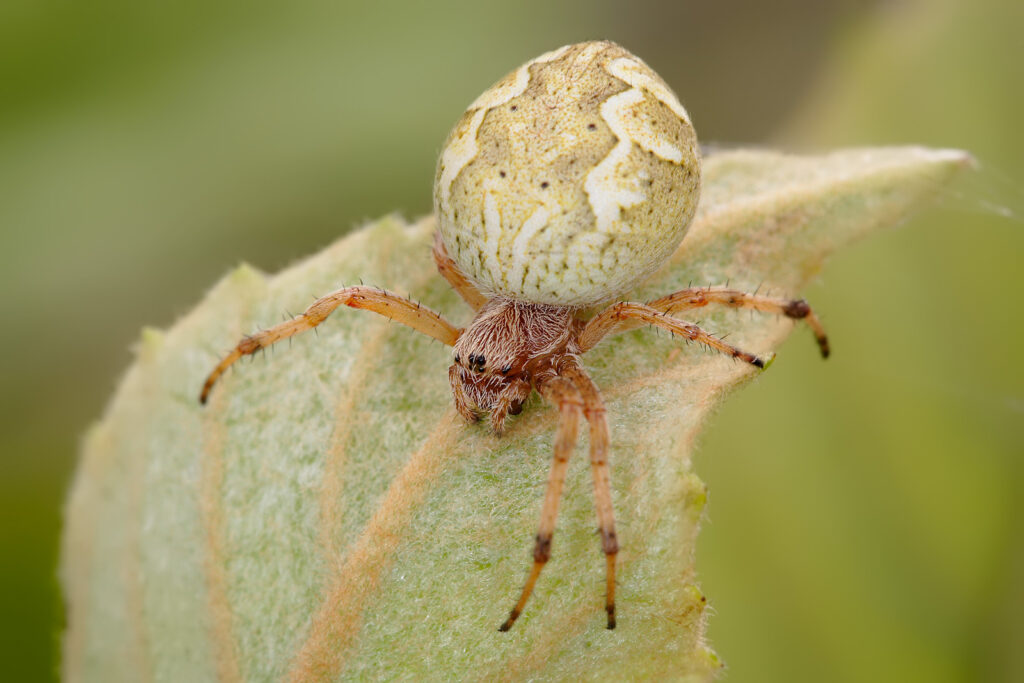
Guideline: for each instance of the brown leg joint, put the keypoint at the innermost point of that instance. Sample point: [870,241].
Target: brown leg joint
[796,309]
[542,549]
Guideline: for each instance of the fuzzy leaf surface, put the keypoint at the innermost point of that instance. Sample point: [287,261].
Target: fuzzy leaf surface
[329,517]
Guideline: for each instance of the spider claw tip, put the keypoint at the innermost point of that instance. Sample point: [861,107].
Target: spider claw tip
[508,622]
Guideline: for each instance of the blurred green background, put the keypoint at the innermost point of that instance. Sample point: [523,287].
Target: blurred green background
[866,518]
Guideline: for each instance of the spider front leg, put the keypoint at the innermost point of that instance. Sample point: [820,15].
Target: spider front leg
[593,410]
[563,393]
[396,308]
[622,315]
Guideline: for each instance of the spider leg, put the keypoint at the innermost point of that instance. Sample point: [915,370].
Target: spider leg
[697,297]
[389,305]
[451,272]
[610,320]
[566,397]
[593,410]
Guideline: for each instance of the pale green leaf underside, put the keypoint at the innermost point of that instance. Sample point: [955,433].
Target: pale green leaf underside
[328,516]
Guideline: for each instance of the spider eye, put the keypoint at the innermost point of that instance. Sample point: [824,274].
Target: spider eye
[457,359]
[505,369]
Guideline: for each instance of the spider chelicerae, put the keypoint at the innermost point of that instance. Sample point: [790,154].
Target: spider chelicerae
[561,188]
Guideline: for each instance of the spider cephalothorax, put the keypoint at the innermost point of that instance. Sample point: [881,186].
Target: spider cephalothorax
[560,189]
[509,345]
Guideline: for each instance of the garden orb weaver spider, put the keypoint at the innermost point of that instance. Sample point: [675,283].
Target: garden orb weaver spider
[562,187]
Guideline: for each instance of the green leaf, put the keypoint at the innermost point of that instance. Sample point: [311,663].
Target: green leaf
[328,516]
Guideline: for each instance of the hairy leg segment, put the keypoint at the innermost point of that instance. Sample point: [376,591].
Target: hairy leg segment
[698,297]
[612,320]
[389,305]
[625,316]
[451,273]
[574,394]
[566,398]
[594,412]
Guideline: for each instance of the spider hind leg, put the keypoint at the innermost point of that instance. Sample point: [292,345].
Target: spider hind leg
[451,272]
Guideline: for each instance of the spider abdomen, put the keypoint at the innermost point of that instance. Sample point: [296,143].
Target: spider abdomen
[570,180]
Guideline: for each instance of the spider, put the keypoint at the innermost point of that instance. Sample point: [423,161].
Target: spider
[562,187]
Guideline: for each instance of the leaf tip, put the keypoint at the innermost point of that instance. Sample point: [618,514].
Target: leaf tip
[958,157]
[151,340]
[950,160]
[245,274]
